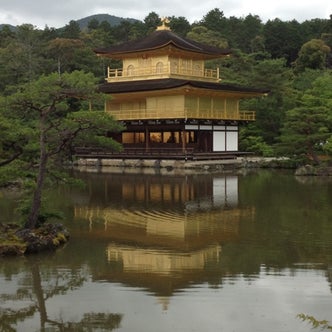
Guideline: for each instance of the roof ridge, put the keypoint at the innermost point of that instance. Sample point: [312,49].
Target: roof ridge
[159,39]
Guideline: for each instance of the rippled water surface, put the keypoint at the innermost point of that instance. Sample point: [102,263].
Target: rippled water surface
[167,252]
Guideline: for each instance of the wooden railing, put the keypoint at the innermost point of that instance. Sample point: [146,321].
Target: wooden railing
[182,113]
[119,74]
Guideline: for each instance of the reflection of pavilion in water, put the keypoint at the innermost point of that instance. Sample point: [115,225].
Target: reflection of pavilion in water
[163,232]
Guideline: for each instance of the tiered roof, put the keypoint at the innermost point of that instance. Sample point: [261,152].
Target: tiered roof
[170,83]
[161,39]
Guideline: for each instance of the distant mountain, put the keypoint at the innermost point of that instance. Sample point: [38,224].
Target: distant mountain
[11,27]
[83,22]
[112,20]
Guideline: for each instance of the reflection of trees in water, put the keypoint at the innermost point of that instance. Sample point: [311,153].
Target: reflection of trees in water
[43,287]
[329,276]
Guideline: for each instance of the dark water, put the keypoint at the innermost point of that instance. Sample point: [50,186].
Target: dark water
[178,253]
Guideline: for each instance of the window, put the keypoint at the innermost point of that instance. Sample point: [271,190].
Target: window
[130,70]
[171,137]
[159,67]
[186,64]
[133,138]
[197,70]
[155,137]
[174,67]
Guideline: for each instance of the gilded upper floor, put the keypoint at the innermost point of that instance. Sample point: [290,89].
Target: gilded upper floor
[162,54]
[162,67]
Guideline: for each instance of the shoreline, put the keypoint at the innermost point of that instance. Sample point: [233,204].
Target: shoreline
[18,241]
[177,166]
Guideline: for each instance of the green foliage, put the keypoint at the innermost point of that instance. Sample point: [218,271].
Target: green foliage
[307,127]
[45,214]
[53,113]
[64,50]
[256,145]
[303,81]
[313,54]
[179,25]
[304,131]
[321,324]
[152,21]
[125,31]
[245,34]
[270,74]
[214,20]
[322,89]
[71,30]
[327,147]
[20,56]
[205,36]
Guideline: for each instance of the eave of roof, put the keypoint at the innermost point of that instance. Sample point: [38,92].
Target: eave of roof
[160,39]
[164,84]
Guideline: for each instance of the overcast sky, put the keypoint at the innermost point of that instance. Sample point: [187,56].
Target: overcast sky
[57,13]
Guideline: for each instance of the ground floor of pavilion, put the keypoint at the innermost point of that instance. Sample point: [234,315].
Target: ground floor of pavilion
[173,139]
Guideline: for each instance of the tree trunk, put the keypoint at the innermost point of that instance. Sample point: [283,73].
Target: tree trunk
[312,154]
[37,288]
[32,219]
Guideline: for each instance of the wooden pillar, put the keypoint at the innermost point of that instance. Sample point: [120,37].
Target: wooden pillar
[183,139]
[147,139]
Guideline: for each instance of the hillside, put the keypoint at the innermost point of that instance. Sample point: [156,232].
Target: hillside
[11,27]
[83,22]
[111,19]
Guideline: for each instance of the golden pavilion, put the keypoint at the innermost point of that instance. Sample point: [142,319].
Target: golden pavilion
[171,105]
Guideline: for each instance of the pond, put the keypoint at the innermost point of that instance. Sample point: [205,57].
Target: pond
[174,252]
